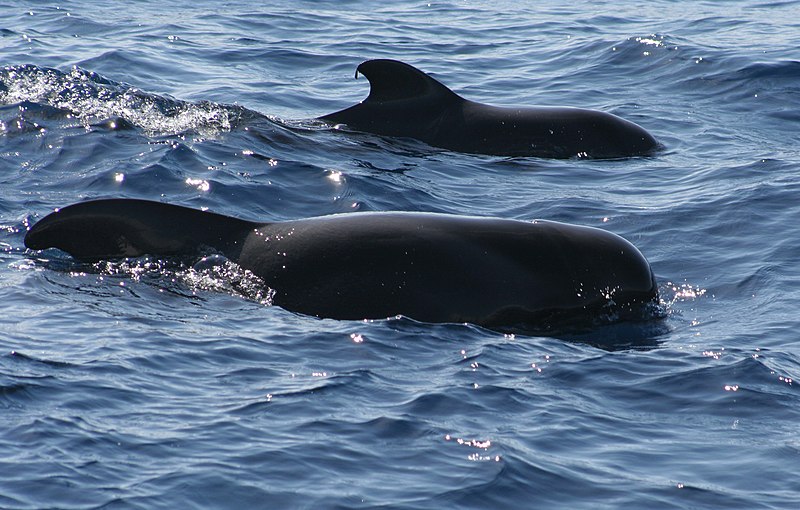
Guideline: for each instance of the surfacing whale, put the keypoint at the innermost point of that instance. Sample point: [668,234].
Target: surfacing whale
[405,102]
[372,265]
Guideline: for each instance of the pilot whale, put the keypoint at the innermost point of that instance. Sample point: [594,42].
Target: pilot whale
[372,265]
[405,102]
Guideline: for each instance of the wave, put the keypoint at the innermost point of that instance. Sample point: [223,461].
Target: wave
[91,99]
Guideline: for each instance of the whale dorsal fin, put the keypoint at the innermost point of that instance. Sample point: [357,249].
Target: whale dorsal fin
[392,80]
[117,228]
[402,101]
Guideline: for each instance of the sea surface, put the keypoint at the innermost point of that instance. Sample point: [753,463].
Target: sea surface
[135,384]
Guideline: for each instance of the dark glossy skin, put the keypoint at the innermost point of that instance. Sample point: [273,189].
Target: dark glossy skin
[405,102]
[429,267]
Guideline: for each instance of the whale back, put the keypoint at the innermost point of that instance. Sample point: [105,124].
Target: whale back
[430,267]
[447,268]
[116,228]
[405,102]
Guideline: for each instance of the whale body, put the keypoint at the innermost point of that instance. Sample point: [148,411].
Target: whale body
[373,265]
[405,102]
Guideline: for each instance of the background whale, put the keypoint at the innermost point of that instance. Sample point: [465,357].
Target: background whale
[404,101]
[429,267]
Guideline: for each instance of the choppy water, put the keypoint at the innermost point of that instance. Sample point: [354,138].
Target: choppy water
[136,385]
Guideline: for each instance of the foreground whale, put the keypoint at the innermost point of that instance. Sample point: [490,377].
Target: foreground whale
[372,265]
[404,101]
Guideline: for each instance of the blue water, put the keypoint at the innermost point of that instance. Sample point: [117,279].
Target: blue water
[142,385]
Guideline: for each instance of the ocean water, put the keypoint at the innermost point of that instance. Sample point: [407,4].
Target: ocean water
[136,384]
